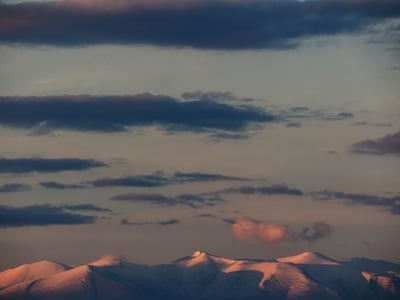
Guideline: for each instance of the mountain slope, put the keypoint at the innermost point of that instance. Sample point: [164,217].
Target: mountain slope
[203,276]
[29,272]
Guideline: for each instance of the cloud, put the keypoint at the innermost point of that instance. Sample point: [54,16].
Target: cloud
[47,165]
[229,136]
[389,144]
[118,113]
[160,179]
[225,25]
[84,207]
[279,189]
[155,179]
[127,222]
[339,116]
[132,181]
[168,222]
[59,186]
[40,215]
[244,228]
[184,177]
[15,187]
[391,204]
[191,200]
[210,96]
[206,216]
[316,231]
[293,124]
[161,223]
[292,114]
[365,123]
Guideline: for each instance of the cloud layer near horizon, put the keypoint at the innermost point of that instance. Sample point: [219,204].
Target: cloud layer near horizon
[228,25]
[117,113]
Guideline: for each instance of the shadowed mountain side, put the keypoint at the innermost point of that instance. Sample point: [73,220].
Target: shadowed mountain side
[308,276]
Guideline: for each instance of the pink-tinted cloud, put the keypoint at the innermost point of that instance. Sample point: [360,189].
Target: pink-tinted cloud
[245,228]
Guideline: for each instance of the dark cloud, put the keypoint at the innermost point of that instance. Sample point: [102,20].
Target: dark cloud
[389,144]
[228,220]
[162,223]
[228,25]
[168,222]
[339,116]
[84,207]
[229,136]
[365,123]
[184,177]
[117,113]
[127,222]
[40,215]
[15,187]
[293,124]
[160,179]
[59,186]
[206,216]
[316,231]
[132,181]
[210,96]
[46,165]
[391,204]
[279,189]
[191,200]
[292,114]
[155,179]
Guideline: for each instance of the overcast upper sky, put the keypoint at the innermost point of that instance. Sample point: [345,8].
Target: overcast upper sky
[152,129]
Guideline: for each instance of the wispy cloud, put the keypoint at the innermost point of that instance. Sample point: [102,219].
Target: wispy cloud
[47,165]
[279,189]
[391,204]
[160,179]
[366,123]
[161,223]
[190,200]
[15,187]
[41,215]
[227,25]
[118,113]
[389,144]
[84,207]
[59,186]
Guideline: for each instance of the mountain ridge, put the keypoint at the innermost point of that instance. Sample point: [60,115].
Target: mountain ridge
[308,275]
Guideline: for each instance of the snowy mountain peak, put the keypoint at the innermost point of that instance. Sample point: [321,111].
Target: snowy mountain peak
[31,271]
[198,253]
[309,257]
[107,260]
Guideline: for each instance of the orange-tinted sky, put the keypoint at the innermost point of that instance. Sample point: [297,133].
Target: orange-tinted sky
[233,139]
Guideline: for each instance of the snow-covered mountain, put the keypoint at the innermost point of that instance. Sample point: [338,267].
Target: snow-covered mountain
[307,276]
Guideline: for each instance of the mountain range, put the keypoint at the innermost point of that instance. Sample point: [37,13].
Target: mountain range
[202,276]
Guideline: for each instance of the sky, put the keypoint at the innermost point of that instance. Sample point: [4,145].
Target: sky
[152,129]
